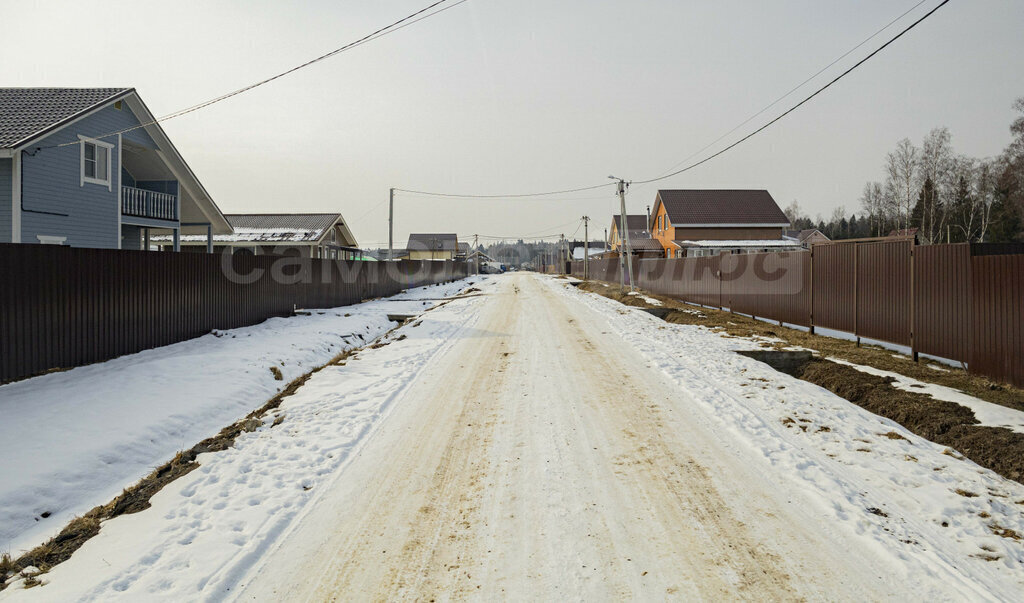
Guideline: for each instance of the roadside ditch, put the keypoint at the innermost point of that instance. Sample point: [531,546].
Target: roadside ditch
[945,423]
[136,498]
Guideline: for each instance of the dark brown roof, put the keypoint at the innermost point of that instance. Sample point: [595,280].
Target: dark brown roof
[27,113]
[644,244]
[433,242]
[635,221]
[722,208]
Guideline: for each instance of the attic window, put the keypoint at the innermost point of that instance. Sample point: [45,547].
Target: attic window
[95,162]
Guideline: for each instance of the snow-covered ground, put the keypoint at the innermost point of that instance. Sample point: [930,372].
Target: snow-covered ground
[543,442]
[73,440]
[934,514]
[207,528]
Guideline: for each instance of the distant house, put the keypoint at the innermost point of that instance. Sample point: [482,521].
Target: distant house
[88,167]
[432,246]
[595,249]
[639,236]
[904,232]
[806,237]
[303,235]
[690,222]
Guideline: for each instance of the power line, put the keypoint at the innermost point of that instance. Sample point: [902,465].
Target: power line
[511,196]
[797,87]
[801,103]
[383,31]
[741,140]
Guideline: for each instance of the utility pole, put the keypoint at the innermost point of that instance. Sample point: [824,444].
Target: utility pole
[586,247]
[476,249]
[561,254]
[627,250]
[391,226]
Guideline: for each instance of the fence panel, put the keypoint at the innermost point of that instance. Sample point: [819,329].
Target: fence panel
[997,294]
[775,286]
[835,298]
[884,291]
[942,298]
[62,307]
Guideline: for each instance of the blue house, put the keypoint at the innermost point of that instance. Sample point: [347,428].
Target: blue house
[89,167]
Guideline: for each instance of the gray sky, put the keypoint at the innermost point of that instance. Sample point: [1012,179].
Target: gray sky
[501,96]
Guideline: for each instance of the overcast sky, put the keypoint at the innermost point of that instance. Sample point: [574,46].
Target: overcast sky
[505,96]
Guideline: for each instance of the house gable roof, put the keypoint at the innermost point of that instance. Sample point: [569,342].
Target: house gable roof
[432,242]
[633,221]
[297,229]
[30,113]
[720,208]
[291,228]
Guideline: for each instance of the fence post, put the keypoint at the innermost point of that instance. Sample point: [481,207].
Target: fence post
[913,301]
[856,293]
[810,309]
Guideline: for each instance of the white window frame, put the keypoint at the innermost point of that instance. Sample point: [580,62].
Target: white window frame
[51,240]
[107,182]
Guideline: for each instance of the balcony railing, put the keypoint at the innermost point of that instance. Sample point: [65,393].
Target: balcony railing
[148,204]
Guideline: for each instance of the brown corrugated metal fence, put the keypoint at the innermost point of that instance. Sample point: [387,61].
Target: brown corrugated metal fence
[960,302]
[62,307]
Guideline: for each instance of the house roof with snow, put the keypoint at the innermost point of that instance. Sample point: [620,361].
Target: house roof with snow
[577,252]
[433,242]
[270,229]
[700,208]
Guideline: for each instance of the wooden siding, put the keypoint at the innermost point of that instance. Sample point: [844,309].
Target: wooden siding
[56,201]
[6,192]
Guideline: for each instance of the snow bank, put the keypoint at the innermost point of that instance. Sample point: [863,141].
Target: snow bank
[928,510]
[206,529]
[73,440]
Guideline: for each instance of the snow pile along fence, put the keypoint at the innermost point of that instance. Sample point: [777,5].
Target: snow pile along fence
[963,302]
[62,307]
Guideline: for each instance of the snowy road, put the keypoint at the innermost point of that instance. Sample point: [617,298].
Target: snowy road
[534,442]
[539,459]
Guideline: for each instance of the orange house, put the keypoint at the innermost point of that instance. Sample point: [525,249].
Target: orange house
[682,219]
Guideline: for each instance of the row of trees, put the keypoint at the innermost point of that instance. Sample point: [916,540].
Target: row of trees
[947,197]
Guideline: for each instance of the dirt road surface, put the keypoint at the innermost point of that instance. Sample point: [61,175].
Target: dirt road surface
[538,459]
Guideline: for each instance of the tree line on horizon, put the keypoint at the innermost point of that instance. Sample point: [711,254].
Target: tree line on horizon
[947,197]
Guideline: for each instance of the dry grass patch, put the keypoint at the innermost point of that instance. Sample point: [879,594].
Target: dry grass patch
[892,435]
[1002,532]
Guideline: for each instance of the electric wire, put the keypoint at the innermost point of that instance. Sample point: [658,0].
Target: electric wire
[741,140]
[383,31]
[795,88]
[801,103]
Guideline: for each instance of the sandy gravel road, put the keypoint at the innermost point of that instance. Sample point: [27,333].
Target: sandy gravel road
[537,459]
